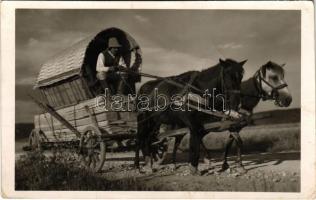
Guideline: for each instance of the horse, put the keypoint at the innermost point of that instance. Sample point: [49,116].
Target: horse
[267,83]
[225,77]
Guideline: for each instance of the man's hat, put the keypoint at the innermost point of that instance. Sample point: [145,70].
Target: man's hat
[113,43]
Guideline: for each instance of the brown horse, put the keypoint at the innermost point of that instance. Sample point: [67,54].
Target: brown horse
[224,77]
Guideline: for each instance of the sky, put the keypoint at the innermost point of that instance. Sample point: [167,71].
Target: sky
[172,42]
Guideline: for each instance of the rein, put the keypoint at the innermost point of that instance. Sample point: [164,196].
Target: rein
[181,84]
[168,80]
[186,86]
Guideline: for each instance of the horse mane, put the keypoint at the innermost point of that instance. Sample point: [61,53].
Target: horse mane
[214,69]
[184,77]
[272,66]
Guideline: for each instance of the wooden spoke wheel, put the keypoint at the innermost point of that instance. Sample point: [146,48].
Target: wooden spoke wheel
[34,140]
[92,149]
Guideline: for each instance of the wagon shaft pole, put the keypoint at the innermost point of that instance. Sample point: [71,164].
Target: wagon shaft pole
[50,110]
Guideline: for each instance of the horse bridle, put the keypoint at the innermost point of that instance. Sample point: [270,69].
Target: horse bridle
[263,94]
[224,89]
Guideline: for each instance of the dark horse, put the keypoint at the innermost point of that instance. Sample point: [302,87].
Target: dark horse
[224,77]
[267,83]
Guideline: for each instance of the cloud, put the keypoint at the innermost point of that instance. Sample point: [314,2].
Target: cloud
[167,62]
[251,35]
[25,111]
[36,51]
[231,45]
[32,42]
[141,18]
[26,80]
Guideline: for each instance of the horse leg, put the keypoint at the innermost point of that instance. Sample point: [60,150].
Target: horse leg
[137,149]
[227,148]
[197,132]
[207,155]
[148,147]
[138,141]
[147,168]
[174,151]
[195,143]
[239,151]
[142,140]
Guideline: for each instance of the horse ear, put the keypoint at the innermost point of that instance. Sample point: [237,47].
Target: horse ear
[243,62]
[222,62]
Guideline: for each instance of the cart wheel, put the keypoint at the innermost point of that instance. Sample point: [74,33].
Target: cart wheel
[34,140]
[92,149]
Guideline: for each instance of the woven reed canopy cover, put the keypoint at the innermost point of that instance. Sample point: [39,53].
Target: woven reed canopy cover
[80,59]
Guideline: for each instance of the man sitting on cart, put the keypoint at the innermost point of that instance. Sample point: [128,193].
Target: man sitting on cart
[111,68]
[109,62]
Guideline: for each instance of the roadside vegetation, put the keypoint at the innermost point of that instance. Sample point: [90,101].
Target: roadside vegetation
[36,171]
[60,171]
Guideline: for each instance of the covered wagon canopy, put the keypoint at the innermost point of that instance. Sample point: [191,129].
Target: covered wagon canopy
[80,59]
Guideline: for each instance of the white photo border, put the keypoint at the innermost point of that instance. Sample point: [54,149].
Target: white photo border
[308,151]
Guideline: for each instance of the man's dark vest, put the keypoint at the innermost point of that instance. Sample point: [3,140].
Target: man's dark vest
[109,61]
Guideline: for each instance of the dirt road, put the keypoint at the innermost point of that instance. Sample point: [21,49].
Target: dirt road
[278,172]
[265,172]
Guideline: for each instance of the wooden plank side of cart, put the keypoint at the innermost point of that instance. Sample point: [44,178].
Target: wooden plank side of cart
[109,122]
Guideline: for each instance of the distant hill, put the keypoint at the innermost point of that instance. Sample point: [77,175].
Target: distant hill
[277,116]
[22,130]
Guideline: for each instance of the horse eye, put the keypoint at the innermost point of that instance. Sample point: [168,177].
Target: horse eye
[274,78]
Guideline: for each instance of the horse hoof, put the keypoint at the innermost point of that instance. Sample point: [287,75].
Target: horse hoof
[173,167]
[225,166]
[194,171]
[146,170]
[206,161]
[241,170]
[210,172]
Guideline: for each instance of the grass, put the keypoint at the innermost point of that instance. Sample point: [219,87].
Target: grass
[35,171]
[256,140]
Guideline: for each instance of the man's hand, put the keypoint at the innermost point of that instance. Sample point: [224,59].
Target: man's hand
[117,68]
[233,114]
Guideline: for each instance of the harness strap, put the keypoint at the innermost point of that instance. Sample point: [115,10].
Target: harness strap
[189,84]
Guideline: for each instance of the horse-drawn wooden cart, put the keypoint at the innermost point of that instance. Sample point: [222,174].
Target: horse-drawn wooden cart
[69,96]
[66,91]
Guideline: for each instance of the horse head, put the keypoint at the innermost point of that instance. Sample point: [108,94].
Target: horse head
[231,76]
[272,83]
